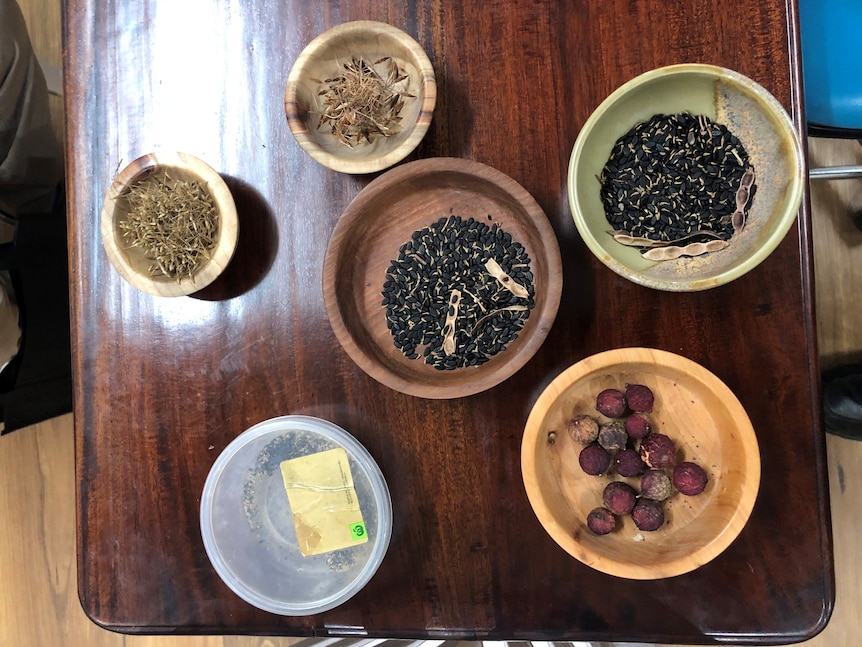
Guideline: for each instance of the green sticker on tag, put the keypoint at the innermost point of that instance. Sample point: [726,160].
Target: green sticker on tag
[357,530]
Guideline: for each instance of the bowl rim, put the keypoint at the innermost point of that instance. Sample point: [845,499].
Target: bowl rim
[444,165]
[228,223]
[284,425]
[300,129]
[566,539]
[796,188]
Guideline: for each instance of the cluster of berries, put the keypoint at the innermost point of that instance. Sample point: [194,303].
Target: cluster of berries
[628,442]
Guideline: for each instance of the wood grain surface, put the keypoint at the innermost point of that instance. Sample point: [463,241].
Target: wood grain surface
[163,385]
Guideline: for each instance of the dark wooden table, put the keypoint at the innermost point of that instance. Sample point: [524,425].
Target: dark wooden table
[163,385]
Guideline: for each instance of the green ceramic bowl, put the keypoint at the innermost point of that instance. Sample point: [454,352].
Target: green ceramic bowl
[725,96]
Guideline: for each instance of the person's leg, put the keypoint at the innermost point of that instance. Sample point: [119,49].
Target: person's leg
[31,162]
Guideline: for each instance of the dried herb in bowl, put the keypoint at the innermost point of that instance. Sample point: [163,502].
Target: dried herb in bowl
[363,100]
[676,185]
[175,223]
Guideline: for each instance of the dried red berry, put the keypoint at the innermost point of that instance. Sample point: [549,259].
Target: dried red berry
[639,398]
[594,460]
[689,478]
[628,462]
[638,426]
[619,497]
[657,450]
[583,429]
[613,436]
[611,403]
[601,521]
[656,485]
[648,515]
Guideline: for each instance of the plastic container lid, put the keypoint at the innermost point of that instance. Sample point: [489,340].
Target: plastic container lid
[295,537]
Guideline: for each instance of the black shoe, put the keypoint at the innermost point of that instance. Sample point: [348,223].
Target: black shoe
[842,404]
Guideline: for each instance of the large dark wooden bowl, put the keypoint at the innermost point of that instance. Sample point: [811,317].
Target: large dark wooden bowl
[383,217]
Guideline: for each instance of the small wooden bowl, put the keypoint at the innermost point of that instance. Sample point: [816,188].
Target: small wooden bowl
[381,218]
[708,425]
[131,262]
[322,58]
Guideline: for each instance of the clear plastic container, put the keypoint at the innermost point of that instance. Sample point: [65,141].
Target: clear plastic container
[249,531]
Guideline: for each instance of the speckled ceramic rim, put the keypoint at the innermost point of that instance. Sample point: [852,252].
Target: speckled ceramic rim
[284,425]
[781,121]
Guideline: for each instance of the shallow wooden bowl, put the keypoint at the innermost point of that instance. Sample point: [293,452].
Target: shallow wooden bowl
[750,112]
[708,425]
[130,262]
[322,58]
[381,218]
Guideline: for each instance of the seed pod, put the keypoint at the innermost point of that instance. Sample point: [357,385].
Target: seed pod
[613,436]
[656,485]
[583,429]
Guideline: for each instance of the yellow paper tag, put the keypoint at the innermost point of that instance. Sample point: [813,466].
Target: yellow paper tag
[323,502]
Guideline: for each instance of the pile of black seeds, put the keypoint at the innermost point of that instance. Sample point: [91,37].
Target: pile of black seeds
[673,176]
[451,255]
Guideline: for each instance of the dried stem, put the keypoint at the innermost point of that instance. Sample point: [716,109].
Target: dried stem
[360,102]
[174,222]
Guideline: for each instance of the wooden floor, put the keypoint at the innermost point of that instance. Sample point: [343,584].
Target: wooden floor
[38,597]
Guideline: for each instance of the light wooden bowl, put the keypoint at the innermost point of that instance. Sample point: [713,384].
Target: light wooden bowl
[750,112]
[381,218]
[708,425]
[131,262]
[322,58]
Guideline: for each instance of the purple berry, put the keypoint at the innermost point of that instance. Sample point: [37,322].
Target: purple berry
[657,450]
[689,478]
[638,426]
[648,515]
[611,403]
[619,497]
[601,521]
[628,463]
[639,398]
[594,460]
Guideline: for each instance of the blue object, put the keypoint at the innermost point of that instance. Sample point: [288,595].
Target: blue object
[832,62]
